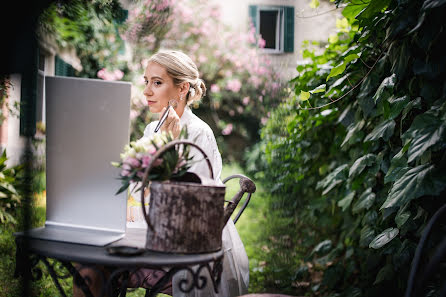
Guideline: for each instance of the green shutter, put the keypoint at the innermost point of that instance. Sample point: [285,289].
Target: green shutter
[253,15]
[62,68]
[288,46]
[28,94]
[121,16]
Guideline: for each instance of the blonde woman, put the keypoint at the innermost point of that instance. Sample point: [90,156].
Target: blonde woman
[173,75]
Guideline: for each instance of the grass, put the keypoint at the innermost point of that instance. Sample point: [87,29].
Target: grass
[250,226]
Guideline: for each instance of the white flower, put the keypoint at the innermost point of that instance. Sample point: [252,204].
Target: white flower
[192,91]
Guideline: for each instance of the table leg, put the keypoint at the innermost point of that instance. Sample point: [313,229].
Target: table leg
[198,279]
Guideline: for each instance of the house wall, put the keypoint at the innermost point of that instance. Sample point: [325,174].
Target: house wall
[235,13]
[10,129]
[15,143]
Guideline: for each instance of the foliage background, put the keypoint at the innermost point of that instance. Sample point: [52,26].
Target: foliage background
[242,86]
[358,168]
[353,158]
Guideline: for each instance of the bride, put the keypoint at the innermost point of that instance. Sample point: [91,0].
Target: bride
[173,75]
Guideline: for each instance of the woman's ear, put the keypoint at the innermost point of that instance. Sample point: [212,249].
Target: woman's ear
[184,88]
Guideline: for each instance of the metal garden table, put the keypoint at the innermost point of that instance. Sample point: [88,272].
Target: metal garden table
[65,254]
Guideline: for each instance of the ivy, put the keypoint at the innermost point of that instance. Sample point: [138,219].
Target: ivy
[361,161]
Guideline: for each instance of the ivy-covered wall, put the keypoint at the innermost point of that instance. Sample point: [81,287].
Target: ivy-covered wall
[356,158]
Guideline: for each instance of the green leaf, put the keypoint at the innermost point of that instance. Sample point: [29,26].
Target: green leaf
[314,3]
[341,67]
[366,236]
[430,4]
[361,163]
[385,273]
[333,38]
[383,130]
[322,247]
[385,89]
[401,218]
[353,9]
[397,105]
[370,217]
[416,103]
[398,166]
[346,201]
[384,238]
[416,182]
[365,201]
[373,8]
[335,177]
[352,133]
[426,131]
[319,89]
[304,95]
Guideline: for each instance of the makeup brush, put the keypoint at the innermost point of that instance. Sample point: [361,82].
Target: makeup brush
[172,103]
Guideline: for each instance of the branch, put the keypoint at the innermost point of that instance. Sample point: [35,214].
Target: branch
[318,14]
[349,91]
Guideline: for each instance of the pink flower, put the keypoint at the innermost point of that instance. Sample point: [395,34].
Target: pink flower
[263,121]
[158,162]
[227,130]
[107,75]
[133,114]
[215,12]
[132,162]
[261,98]
[145,161]
[125,173]
[228,73]
[245,101]
[262,42]
[101,73]
[240,109]
[255,80]
[232,113]
[150,39]
[215,88]
[140,174]
[118,74]
[234,85]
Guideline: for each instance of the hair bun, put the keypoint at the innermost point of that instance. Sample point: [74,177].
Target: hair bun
[197,91]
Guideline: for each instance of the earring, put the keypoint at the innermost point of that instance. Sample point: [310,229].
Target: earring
[181,97]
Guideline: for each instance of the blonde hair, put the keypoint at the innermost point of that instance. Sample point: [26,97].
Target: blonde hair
[181,68]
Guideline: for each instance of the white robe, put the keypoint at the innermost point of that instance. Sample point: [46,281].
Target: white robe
[235,275]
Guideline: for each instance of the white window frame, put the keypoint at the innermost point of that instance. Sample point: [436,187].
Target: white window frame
[280,28]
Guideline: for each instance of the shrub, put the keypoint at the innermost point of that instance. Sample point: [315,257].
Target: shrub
[356,157]
[9,195]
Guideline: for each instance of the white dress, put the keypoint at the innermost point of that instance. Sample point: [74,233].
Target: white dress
[235,275]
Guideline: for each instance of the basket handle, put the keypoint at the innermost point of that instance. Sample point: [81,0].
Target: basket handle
[158,154]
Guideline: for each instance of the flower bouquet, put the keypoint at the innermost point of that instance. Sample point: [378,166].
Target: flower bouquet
[186,209]
[137,156]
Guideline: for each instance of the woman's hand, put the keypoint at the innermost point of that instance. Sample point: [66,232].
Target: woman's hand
[172,123]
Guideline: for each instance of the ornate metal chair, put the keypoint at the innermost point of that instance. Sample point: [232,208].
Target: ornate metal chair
[246,186]
[420,275]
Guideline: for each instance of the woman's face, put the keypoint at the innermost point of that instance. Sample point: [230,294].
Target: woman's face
[159,87]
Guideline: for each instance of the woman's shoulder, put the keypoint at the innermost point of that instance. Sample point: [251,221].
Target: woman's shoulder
[198,127]
[150,128]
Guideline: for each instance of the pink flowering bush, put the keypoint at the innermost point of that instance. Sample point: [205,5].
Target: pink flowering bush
[242,85]
[138,155]
[110,75]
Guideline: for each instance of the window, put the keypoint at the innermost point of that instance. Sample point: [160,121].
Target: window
[276,26]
